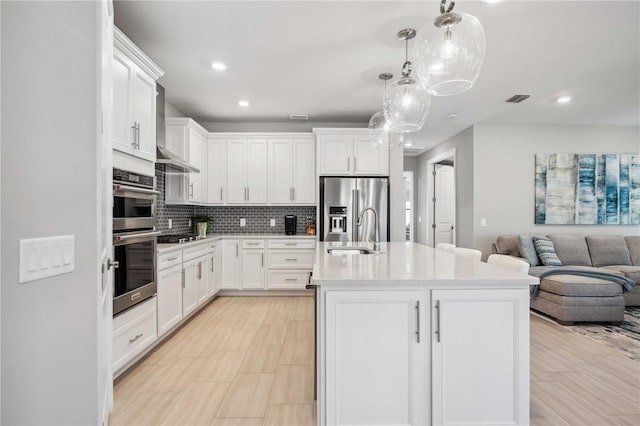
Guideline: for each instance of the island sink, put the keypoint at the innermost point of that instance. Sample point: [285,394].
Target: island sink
[342,251]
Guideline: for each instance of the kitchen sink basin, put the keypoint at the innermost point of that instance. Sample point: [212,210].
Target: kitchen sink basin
[343,251]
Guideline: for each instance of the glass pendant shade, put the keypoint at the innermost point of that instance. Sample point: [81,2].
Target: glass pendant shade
[407,105]
[379,130]
[448,58]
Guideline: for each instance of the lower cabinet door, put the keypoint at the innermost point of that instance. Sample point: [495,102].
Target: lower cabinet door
[190,286]
[376,358]
[202,279]
[230,278]
[169,298]
[135,335]
[480,357]
[212,267]
[253,269]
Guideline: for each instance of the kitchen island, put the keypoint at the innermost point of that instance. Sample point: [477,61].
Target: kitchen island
[416,336]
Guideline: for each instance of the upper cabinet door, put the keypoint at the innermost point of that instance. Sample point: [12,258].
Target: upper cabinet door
[195,159]
[216,170]
[256,159]
[336,152]
[236,171]
[369,159]
[123,70]
[144,115]
[304,172]
[281,171]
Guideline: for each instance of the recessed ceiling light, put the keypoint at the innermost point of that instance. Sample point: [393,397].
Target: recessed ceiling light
[491,1]
[563,99]
[408,144]
[243,103]
[219,66]
[453,115]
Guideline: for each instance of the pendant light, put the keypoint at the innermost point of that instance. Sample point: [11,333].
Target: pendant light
[407,102]
[378,125]
[450,51]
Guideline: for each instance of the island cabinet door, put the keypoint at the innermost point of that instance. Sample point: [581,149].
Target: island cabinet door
[480,357]
[377,357]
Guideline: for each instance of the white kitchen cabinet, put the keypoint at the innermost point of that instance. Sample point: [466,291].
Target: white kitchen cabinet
[291,165]
[470,357]
[134,99]
[169,297]
[216,170]
[253,269]
[350,152]
[190,271]
[247,171]
[213,265]
[134,330]
[230,264]
[202,279]
[377,357]
[186,138]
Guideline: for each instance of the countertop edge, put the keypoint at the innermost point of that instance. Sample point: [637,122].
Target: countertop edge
[164,248]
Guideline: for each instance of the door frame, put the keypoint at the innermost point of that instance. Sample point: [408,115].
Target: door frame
[410,175]
[430,194]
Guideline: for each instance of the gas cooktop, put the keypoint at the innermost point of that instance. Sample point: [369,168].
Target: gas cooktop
[177,238]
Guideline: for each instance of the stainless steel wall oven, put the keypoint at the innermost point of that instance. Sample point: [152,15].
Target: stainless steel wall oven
[134,239]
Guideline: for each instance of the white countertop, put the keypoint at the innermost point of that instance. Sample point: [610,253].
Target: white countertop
[216,237]
[408,263]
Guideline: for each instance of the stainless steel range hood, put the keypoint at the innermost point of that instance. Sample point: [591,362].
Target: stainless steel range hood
[173,163]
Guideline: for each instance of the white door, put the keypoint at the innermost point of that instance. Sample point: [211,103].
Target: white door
[465,350]
[202,282]
[253,272]
[257,171]
[189,287]
[336,154]
[369,159]
[169,298]
[230,264]
[376,357]
[143,104]
[195,159]
[444,204]
[236,171]
[281,166]
[304,172]
[216,169]
[123,70]
[105,189]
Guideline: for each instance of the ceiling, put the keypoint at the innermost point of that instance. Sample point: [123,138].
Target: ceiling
[322,58]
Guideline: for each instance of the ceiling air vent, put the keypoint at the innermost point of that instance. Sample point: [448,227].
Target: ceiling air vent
[298,116]
[516,99]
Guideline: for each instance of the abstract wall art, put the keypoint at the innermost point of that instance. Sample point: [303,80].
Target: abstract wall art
[587,189]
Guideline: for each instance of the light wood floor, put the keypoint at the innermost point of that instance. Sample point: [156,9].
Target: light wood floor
[249,361]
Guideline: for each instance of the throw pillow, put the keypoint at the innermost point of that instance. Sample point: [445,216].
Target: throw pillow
[608,250]
[546,251]
[528,250]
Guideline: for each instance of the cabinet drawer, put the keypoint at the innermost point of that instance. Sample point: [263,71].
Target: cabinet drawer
[291,259]
[288,279]
[252,244]
[196,251]
[213,246]
[292,244]
[133,338]
[167,260]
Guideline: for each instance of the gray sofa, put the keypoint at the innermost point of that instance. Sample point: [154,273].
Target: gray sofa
[570,298]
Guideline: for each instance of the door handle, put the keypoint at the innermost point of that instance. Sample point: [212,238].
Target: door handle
[134,136]
[294,193]
[220,193]
[348,164]
[437,330]
[183,278]
[136,338]
[248,196]
[355,164]
[262,254]
[191,190]
[211,264]
[237,245]
[199,270]
[112,264]
[138,136]
[417,321]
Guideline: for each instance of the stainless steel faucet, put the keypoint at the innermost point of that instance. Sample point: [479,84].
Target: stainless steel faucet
[376,243]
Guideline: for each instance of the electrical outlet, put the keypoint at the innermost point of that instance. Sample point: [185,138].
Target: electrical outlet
[170,223]
[243,222]
[273,222]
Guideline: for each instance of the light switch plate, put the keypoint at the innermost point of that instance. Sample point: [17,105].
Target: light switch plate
[273,222]
[243,222]
[46,257]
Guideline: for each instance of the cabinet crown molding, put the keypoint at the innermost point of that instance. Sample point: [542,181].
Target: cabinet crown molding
[339,130]
[188,122]
[122,42]
[261,135]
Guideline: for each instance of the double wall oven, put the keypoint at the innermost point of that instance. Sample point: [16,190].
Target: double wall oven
[134,238]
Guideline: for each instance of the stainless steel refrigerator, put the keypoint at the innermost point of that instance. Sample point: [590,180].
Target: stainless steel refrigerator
[341,201]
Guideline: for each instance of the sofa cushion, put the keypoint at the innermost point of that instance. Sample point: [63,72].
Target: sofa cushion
[546,251]
[508,244]
[631,272]
[578,286]
[608,250]
[633,244]
[528,250]
[571,249]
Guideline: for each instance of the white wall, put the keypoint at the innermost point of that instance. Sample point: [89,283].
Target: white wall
[411,165]
[170,110]
[396,191]
[503,159]
[49,87]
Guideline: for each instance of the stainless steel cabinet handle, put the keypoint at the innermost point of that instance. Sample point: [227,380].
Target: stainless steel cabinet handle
[136,338]
[348,164]
[418,321]
[294,193]
[291,279]
[172,258]
[438,331]
[183,278]
[135,135]
[237,246]
[138,136]
[212,264]
[199,270]
[248,194]
[253,244]
[292,259]
[262,254]
[290,244]
[191,190]
[220,193]
[355,164]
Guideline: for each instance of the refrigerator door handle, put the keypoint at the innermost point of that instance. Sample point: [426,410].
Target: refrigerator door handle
[354,215]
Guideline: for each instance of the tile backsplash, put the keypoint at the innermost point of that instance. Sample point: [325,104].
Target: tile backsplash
[226,219]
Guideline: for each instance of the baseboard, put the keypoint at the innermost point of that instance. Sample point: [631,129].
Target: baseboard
[269,293]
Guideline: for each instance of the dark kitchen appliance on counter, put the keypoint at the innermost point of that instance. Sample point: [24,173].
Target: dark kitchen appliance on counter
[290,224]
[134,239]
[177,238]
[342,199]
